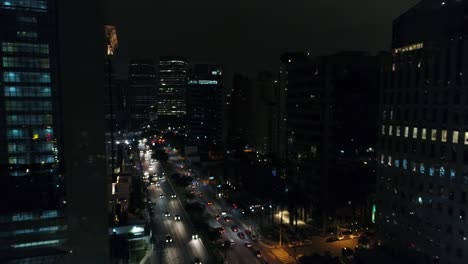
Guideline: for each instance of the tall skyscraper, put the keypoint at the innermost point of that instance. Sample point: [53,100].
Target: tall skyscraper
[51,146]
[32,192]
[204,109]
[172,85]
[141,96]
[422,179]
[239,102]
[330,124]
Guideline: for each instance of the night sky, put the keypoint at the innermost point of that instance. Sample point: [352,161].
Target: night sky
[249,35]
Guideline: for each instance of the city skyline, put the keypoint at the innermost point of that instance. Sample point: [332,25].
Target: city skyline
[249,36]
[250,132]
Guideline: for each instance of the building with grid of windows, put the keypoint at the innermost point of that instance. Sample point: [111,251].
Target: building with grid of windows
[172,86]
[422,177]
[204,105]
[141,95]
[44,216]
[32,188]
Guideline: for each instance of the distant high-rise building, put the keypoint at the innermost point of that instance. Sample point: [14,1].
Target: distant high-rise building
[239,107]
[141,96]
[204,99]
[422,177]
[330,116]
[172,85]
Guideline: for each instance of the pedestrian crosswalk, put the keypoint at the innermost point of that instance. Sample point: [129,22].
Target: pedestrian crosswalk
[283,255]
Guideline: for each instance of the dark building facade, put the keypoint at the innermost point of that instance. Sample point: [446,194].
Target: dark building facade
[172,85]
[239,107]
[32,192]
[422,152]
[141,96]
[204,105]
[330,116]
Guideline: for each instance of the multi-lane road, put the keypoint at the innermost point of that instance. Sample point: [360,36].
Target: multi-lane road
[243,249]
[171,226]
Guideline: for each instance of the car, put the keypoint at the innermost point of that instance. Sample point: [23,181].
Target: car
[234,206]
[197,261]
[161,196]
[195,237]
[231,242]
[173,195]
[223,212]
[227,219]
[241,235]
[220,230]
[161,177]
[248,232]
[209,203]
[331,239]
[217,217]
[253,237]
[167,214]
[168,239]
[158,184]
[258,254]
[177,217]
[234,228]
[201,194]
[248,244]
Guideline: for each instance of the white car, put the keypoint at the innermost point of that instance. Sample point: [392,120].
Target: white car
[177,217]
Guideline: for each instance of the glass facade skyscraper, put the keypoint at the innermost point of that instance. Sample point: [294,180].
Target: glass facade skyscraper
[172,85]
[32,222]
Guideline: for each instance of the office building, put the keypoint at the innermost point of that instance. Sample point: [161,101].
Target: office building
[422,174]
[239,105]
[32,193]
[204,105]
[52,147]
[172,86]
[141,96]
[330,116]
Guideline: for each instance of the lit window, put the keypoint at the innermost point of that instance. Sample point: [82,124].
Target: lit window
[383,129]
[408,48]
[414,165]
[405,164]
[390,130]
[397,131]
[389,163]
[453,174]
[466,138]
[455,137]
[444,135]
[382,158]
[397,163]
[406,131]
[415,132]
[433,134]
[442,171]
[431,171]
[423,133]
[422,169]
